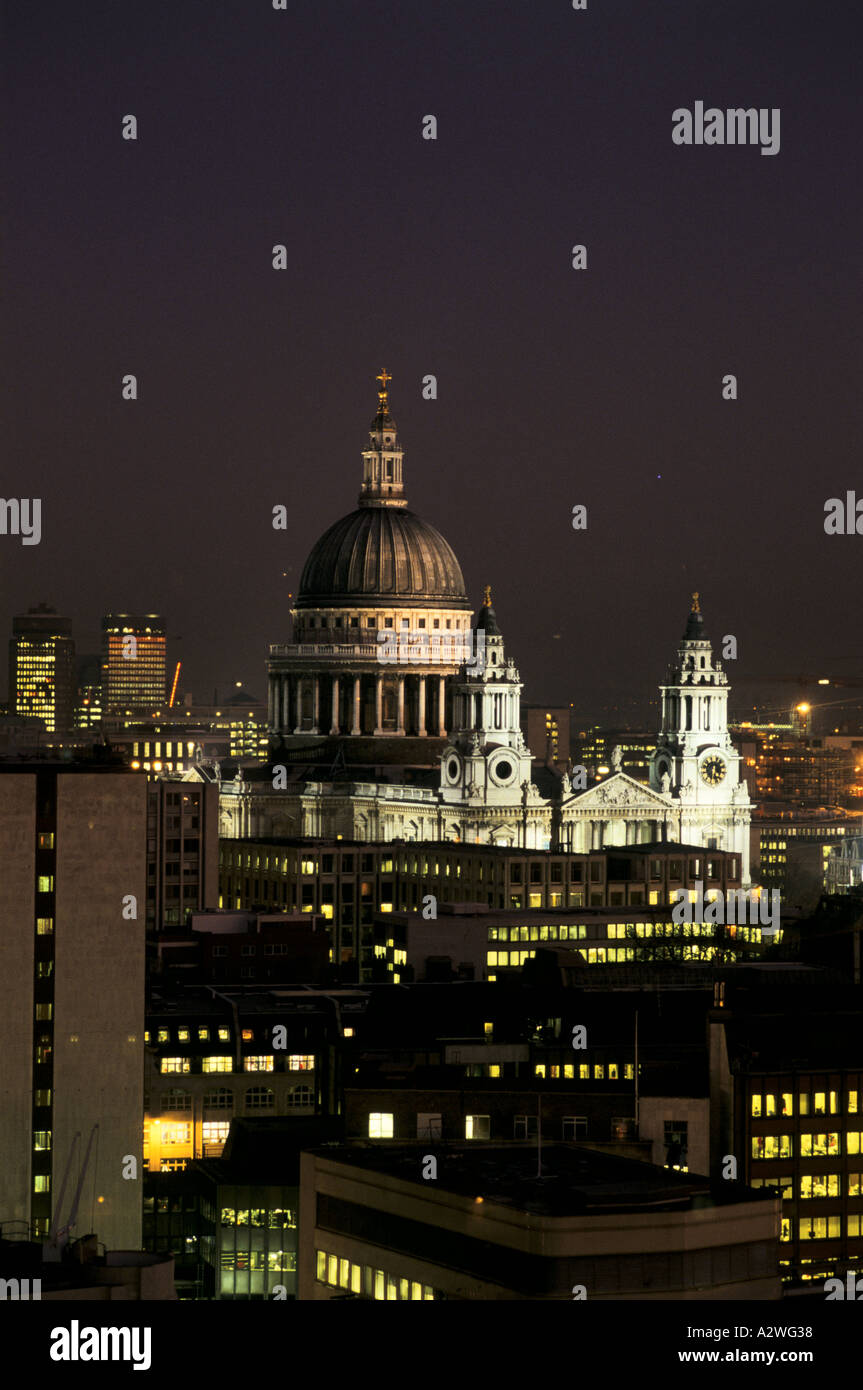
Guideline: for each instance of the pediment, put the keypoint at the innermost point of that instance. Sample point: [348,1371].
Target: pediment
[618,791]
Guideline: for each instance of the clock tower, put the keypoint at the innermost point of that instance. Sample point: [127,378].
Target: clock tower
[695,759]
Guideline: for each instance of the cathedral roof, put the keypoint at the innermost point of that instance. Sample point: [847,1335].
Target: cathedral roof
[380,554]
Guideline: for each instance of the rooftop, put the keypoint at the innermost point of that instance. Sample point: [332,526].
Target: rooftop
[575,1181]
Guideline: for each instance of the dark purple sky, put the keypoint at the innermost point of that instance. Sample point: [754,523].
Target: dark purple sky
[453,257]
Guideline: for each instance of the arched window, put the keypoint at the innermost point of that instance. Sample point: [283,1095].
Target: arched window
[222,1099]
[260,1098]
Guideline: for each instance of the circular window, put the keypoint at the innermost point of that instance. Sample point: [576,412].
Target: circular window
[503,771]
[452,769]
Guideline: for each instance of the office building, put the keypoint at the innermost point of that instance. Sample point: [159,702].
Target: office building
[133,663]
[42,676]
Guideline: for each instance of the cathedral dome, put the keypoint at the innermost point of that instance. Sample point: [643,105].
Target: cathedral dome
[376,556]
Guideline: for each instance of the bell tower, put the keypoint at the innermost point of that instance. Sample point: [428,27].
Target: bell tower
[695,758]
[486,762]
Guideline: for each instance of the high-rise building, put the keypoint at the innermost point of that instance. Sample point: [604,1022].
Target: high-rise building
[42,679]
[546,731]
[183,850]
[73,852]
[133,662]
[88,711]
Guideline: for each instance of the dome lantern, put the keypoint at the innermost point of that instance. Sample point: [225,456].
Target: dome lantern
[382,460]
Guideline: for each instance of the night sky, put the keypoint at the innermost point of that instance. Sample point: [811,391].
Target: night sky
[450,257]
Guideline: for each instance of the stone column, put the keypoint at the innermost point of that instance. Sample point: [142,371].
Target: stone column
[334,729]
[271,691]
[299,700]
[356,720]
[379,703]
[441,706]
[400,726]
[316,704]
[421,717]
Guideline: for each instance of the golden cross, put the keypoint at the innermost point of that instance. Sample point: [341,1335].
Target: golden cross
[383,377]
[487,596]
[696,608]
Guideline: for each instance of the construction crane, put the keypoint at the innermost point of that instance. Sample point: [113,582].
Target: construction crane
[58,1237]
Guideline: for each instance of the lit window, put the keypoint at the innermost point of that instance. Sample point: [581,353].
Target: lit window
[380,1126]
[210,1064]
[258,1064]
[477,1127]
[175,1064]
[301,1063]
[216,1131]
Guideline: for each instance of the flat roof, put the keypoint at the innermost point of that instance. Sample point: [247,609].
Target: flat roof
[575,1181]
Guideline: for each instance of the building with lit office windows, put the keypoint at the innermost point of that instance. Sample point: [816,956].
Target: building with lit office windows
[42,676]
[133,663]
[73,847]
[372,1227]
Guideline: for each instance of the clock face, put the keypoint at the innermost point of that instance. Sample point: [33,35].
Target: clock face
[713,770]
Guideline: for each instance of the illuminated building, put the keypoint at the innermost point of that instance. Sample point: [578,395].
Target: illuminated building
[210,1056]
[800,1118]
[73,845]
[133,663]
[546,731]
[42,669]
[792,849]
[352,884]
[232,1221]
[88,713]
[488,1228]
[379,569]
